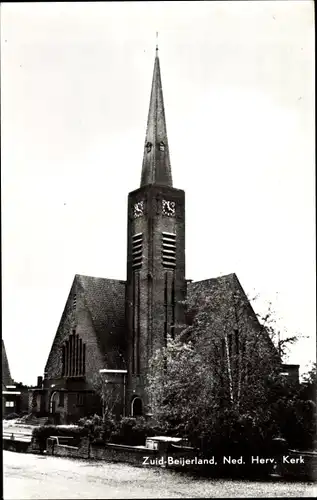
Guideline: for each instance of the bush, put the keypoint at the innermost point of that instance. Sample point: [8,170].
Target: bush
[11,416]
[98,429]
[134,431]
[41,433]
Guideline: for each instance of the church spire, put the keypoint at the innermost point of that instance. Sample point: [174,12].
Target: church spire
[156,168]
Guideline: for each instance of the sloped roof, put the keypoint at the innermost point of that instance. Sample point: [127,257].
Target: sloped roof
[6,375]
[206,290]
[228,290]
[210,285]
[105,300]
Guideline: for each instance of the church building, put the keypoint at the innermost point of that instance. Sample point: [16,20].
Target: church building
[111,328]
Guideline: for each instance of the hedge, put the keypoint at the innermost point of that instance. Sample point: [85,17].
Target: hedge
[41,433]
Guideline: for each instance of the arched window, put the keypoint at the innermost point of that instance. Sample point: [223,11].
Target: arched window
[136,407]
[73,356]
[53,402]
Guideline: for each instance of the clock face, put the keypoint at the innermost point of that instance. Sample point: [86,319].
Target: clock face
[138,209]
[168,208]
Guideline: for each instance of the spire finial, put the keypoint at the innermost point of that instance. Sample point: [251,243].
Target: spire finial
[156,167]
[156,42]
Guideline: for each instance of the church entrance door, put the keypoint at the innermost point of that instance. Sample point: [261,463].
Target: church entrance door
[136,407]
[53,402]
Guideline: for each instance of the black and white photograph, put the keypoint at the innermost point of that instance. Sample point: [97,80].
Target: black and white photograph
[158,249]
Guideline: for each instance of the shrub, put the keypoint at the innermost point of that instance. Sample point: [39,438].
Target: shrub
[41,433]
[11,416]
[98,429]
[134,431]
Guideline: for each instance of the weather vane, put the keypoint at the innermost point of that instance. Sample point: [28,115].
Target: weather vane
[157,41]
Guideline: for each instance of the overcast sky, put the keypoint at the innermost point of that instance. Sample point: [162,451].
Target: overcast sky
[238,84]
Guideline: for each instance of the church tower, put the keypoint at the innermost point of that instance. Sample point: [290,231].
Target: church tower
[156,284]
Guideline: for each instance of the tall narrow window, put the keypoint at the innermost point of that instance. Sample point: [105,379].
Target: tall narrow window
[169,250]
[165,308]
[63,360]
[137,251]
[84,359]
[73,356]
[80,399]
[136,298]
[133,322]
[173,308]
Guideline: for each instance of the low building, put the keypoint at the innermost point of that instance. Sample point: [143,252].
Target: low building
[14,396]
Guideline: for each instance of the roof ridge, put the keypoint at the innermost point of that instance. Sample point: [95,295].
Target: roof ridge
[231,275]
[99,278]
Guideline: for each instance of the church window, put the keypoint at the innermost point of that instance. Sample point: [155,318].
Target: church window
[136,407]
[136,324]
[63,359]
[84,360]
[80,399]
[74,301]
[173,308]
[169,250]
[148,146]
[73,356]
[137,251]
[161,146]
[10,404]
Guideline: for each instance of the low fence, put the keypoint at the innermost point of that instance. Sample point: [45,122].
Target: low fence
[294,464]
[108,452]
[16,441]
[53,447]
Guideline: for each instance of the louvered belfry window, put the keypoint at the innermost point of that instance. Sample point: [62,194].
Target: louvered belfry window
[73,356]
[169,250]
[137,251]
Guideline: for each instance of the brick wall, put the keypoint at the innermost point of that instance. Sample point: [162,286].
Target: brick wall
[75,316]
[82,451]
[149,284]
[109,452]
[121,453]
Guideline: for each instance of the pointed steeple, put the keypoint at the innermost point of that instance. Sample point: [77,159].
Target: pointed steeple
[156,168]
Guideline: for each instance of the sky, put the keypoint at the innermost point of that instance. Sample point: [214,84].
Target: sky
[238,85]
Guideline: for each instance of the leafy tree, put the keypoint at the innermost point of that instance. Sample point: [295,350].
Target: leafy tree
[108,393]
[219,380]
[280,337]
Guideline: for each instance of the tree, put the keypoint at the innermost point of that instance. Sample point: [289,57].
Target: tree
[108,393]
[181,394]
[216,381]
[293,407]
[309,383]
[281,339]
